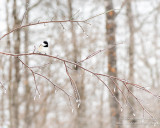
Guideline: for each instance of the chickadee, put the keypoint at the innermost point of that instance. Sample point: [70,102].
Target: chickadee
[43,48]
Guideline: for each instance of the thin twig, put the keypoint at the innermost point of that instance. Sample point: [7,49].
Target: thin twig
[137,100]
[50,21]
[26,11]
[73,83]
[125,83]
[32,74]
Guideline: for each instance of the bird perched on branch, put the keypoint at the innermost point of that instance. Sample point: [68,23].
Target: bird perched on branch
[43,48]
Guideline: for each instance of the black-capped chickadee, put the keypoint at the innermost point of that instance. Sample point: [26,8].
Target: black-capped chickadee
[43,48]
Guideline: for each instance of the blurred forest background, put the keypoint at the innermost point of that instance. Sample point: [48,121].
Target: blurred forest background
[136,24]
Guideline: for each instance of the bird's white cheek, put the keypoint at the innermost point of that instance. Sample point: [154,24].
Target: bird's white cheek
[40,49]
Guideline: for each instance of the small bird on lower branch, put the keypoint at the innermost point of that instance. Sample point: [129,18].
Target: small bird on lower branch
[43,48]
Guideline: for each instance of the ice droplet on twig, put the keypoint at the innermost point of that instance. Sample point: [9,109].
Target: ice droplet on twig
[39,96]
[125,81]
[55,91]
[34,97]
[134,114]
[121,109]
[114,89]
[78,105]
[87,36]
[78,101]
[148,88]
[72,110]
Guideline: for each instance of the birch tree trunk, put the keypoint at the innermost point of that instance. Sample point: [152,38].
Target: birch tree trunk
[112,67]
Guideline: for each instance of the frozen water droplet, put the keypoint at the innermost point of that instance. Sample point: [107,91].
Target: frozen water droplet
[78,105]
[125,81]
[72,110]
[148,88]
[75,66]
[34,97]
[39,96]
[134,114]
[55,91]
[77,101]
[121,109]
[114,89]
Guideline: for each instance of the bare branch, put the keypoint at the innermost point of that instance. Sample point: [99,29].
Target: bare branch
[125,83]
[32,74]
[51,21]
[73,83]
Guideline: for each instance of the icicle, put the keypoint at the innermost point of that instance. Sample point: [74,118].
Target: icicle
[125,81]
[72,110]
[78,105]
[134,114]
[77,100]
[35,97]
[148,88]
[87,36]
[121,109]
[114,89]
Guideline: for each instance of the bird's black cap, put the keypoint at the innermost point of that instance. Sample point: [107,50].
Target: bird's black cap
[45,42]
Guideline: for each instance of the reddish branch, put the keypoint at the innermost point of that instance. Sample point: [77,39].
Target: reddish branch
[34,73]
[53,21]
[73,83]
[97,75]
